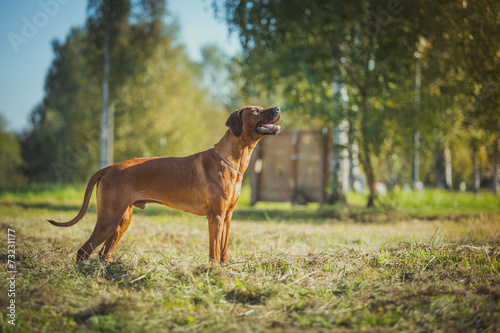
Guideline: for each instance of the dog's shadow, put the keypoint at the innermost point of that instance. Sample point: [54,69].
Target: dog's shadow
[255,214]
[118,272]
[316,216]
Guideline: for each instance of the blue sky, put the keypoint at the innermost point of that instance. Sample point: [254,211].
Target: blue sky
[27,28]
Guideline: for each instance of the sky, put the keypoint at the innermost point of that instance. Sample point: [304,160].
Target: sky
[28,27]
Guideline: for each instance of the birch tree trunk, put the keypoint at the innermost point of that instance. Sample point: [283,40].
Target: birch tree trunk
[442,165]
[365,149]
[416,137]
[496,171]
[105,158]
[476,178]
[339,164]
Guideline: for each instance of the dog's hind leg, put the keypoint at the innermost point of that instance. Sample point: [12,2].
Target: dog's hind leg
[103,230]
[109,246]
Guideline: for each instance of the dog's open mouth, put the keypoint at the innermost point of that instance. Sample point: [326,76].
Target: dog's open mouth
[269,128]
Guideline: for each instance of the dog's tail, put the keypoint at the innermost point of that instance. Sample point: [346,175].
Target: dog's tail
[86,199]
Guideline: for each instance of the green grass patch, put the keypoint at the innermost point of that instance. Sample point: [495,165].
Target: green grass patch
[435,201]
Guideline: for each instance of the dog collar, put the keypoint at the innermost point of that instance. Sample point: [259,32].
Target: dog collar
[228,163]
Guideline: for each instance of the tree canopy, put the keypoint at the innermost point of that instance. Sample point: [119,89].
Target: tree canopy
[402,79]
[374,50]
[160,109]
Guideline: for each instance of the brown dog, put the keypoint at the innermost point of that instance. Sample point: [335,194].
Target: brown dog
[206,184]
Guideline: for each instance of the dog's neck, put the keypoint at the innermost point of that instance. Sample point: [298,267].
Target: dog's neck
[236,150]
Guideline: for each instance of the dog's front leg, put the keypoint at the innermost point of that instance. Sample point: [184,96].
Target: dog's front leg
[225,233]
[215,230]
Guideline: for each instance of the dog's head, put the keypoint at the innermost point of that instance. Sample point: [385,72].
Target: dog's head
[254,121]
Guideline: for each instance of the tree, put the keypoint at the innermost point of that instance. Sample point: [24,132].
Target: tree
[367,46]
[463,36]
[59,144]
[173,115]
[11,173]
[109,31]
[159,107]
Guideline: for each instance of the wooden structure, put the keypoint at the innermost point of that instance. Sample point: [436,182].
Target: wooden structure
[291,166]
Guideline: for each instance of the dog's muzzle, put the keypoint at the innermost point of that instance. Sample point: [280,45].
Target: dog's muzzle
[269,127]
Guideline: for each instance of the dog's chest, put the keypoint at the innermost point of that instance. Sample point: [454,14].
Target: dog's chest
[237,191]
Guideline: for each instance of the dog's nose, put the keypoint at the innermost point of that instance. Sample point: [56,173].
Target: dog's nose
[277,109]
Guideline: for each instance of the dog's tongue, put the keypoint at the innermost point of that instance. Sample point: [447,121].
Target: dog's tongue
[275,120]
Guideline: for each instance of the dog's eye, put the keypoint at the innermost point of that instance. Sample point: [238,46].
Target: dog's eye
[255,111]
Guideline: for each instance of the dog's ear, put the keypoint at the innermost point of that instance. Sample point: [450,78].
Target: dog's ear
[234,122]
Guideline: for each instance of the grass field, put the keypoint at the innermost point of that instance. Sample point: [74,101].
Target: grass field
[419,262]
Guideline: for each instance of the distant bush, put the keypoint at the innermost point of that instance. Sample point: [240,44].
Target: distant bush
[11,173]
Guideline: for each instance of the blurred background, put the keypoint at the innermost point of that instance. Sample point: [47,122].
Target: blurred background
[407,93]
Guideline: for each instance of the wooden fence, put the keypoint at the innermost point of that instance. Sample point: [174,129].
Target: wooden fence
[291,166]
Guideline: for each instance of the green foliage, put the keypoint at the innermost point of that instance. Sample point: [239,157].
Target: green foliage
[306,46]
[159,106]
[461,73]
[167,107]
[465,32]
[298,49]
[134,28]
[10,154]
